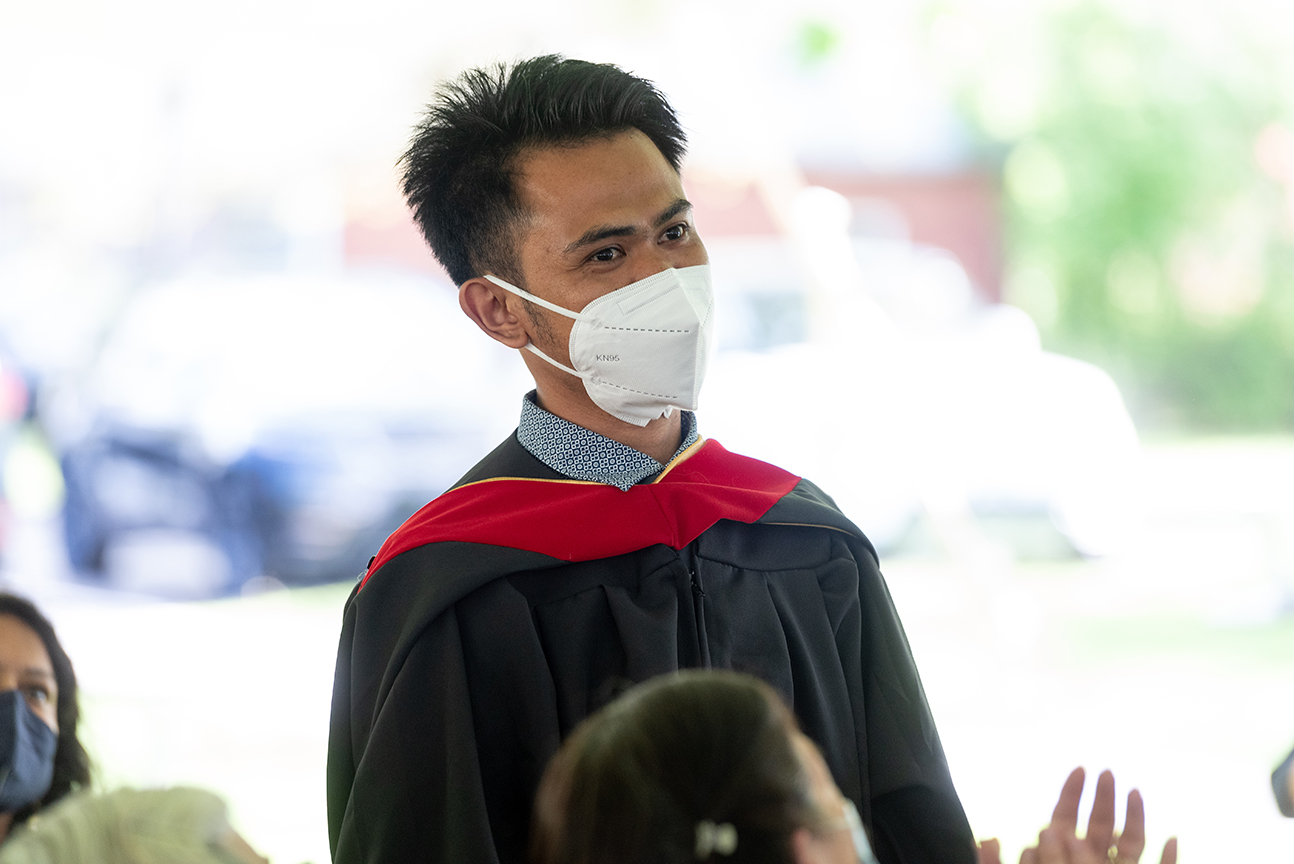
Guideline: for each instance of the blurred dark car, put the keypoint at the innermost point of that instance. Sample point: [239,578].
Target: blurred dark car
[236,432]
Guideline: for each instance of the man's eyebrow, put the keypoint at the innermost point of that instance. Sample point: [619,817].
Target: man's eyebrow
[599,233]
[679,206]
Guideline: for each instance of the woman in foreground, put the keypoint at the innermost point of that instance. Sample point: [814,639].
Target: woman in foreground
[711,766]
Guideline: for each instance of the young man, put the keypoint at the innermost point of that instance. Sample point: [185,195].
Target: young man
[605,541]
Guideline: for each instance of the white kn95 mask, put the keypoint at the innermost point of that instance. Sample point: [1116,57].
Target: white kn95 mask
[642,349]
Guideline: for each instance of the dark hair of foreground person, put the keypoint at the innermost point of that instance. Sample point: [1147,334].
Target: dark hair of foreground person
[633,782]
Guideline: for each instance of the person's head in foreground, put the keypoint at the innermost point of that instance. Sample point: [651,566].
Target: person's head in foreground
[550,192]
[41,759]
[696,766]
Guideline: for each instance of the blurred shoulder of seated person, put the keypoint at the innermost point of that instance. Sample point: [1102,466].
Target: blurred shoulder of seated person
[1059,842]
[41,758]
[129,826]
[694,766]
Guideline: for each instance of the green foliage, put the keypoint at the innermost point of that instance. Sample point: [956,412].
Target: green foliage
[815,42]
[1140,229]
[1127,640]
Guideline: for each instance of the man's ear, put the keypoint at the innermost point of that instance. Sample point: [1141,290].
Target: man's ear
[487,305]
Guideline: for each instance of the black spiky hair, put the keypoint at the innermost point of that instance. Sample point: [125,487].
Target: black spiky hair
[459,170]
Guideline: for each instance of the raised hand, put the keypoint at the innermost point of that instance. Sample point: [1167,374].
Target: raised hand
[1059,843]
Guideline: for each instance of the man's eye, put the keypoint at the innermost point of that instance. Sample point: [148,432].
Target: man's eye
[608,254]
[676,232]
[39,695]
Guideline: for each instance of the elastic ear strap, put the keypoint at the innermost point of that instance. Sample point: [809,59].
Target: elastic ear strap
[533,299]
[530,346]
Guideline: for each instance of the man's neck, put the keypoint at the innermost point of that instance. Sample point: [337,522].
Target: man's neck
[659,439]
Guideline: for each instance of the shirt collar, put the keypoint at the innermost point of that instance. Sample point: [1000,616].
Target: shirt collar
[584,455]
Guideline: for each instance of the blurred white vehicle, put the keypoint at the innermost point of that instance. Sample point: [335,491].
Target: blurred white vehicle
[884,380]
[272,426]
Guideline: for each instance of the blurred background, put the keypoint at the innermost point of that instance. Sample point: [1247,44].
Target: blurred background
[1013,280]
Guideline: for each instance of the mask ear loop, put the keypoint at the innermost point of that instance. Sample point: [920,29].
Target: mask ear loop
[862,847]
[530,346]
[508,286]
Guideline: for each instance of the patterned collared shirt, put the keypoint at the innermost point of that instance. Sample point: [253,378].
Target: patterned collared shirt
[583,455]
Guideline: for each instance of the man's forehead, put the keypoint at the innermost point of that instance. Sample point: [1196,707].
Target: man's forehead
[576,186]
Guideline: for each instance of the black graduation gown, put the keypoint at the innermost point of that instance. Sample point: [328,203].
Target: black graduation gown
[463,663]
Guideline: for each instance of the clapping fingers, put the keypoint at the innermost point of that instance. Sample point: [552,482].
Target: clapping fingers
[1058,843]
[1055,841]
[1080,852]
[1051,847]
[1060,847]
[1132,842]
[1100,827]
[1065,816]
[1057,847]
[989,852]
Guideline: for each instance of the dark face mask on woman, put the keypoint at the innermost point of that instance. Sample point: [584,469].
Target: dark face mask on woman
[27,748]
